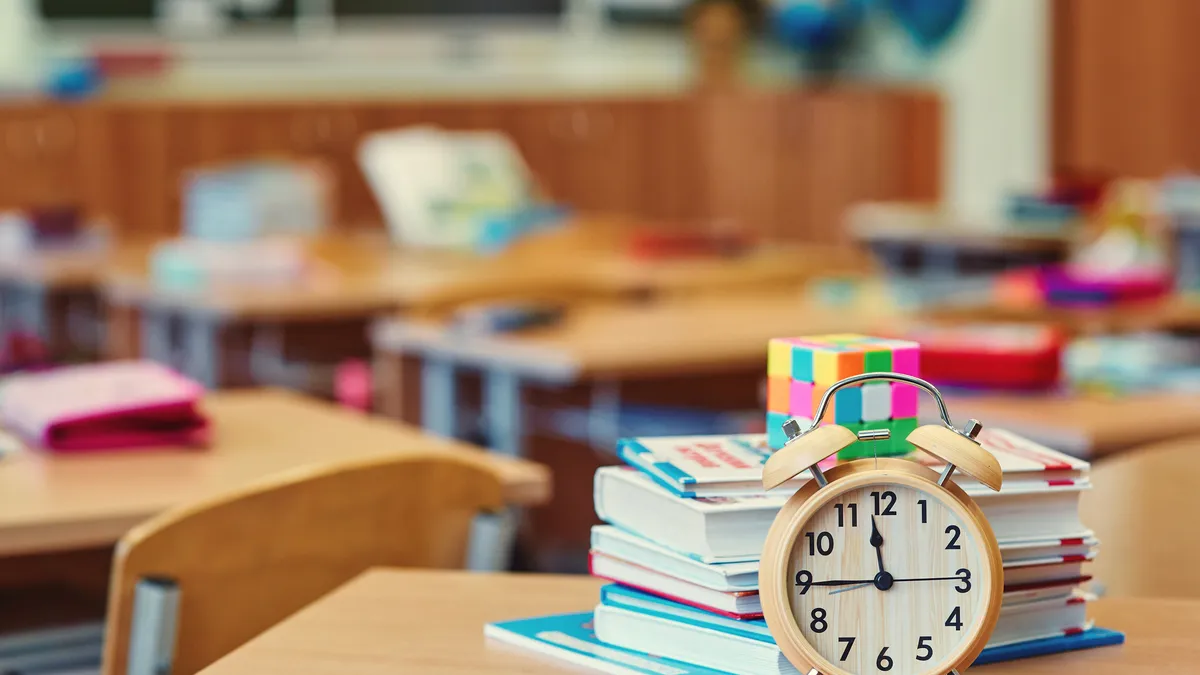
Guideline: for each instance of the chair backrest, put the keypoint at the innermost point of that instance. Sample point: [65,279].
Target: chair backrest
[244,561]
[1141,508]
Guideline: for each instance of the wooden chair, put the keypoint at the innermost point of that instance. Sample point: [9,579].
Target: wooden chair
[1142,509]
[244,561]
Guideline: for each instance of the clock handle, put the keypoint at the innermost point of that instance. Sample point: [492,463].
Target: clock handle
[959,449]
[970,430]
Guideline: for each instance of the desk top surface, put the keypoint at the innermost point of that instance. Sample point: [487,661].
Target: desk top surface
[687,335]
[1088,427]
[363,275]
[51,502]
[372,626]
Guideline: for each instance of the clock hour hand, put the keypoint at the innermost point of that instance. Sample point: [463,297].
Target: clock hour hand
[877,542]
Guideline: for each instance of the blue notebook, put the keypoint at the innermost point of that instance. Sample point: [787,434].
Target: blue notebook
[570,637]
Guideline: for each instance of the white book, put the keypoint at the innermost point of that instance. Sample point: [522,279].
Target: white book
[730,529]
[724,466]
[638,561]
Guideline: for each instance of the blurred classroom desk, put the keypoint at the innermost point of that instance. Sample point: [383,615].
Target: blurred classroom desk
[55,294]
[694,337]
[365,276]
[369,627]
[1088,427]
[1176,312]
[57,502]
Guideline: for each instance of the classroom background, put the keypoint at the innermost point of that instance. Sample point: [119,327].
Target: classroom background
[292,289]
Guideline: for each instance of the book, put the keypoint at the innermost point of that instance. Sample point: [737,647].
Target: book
[1023,583]
[614,543]
[731,466]
[571,638]
[642,622]
[119,404]
[730,529]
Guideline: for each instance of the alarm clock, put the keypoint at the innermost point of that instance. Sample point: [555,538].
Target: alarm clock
[881,565]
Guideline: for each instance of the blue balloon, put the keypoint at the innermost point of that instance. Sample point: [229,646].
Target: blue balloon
[817,25]
[929,22]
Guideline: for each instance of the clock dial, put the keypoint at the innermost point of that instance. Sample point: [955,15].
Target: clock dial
[887,579]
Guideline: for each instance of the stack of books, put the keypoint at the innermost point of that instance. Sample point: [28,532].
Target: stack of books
[686,520]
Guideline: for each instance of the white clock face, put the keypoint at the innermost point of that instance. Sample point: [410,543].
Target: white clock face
[887,579]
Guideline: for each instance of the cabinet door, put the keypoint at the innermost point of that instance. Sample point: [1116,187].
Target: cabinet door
[40,159]
[671,164]
[741,158]
[125,167]
[585,153]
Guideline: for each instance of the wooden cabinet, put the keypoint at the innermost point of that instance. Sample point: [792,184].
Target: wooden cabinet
[40,155]
[784,165]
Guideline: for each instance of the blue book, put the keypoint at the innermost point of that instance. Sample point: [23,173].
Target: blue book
[751,640]
[570,637]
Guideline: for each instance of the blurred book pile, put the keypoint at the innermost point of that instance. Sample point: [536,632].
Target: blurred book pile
[686,520]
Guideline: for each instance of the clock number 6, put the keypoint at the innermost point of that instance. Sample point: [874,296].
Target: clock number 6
[884,662]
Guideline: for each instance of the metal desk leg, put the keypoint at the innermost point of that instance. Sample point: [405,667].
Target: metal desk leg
[156,335]
[492,538]
[33,311]
[503,413]
[202,349]
[439,404]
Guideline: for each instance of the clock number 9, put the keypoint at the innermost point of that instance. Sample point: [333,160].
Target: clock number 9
[804,580]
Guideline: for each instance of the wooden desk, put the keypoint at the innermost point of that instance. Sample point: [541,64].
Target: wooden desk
[1174,313]
[59,502]
[371,626]
[1087,427]
[54,294]
[601,344]
[365,277]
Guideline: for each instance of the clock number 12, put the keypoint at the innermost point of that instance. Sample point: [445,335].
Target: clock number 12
[889,509]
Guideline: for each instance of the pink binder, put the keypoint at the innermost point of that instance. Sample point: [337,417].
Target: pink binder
[115,405]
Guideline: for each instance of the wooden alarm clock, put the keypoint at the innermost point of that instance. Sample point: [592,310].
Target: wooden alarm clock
[881,565]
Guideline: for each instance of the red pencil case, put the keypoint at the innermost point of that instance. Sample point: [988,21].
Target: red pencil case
[120,405]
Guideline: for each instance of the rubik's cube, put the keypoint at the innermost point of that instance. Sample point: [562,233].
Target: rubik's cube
[800,370]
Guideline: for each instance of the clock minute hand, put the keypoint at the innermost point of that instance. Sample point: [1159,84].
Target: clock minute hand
[841,582]
[954,578]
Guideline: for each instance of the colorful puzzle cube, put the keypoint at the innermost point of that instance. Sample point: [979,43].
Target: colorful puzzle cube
[801,370]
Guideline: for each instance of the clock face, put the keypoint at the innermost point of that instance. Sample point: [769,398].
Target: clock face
[887,579]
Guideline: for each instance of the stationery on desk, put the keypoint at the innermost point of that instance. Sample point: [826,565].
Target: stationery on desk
[130,404]
[685,567]
[701,555]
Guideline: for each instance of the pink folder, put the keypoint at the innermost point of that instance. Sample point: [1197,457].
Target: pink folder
[105,406]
